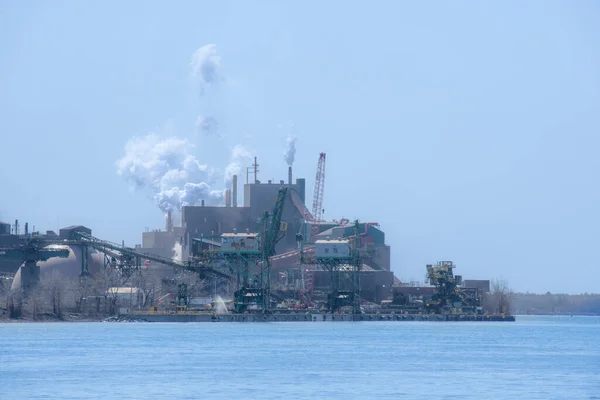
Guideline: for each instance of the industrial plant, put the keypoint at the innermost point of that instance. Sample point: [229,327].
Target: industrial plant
[263,255]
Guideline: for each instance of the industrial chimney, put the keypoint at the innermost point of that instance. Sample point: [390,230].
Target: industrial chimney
[290,175]
[169,226]
[227,198]
[234,194]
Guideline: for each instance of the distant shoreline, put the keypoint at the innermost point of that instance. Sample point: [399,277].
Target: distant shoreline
[73,318]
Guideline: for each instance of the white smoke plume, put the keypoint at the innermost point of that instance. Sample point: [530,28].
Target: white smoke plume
[177,252]
[205,65]
[240,156]
[290,152]
[207,126]
[167,165]
[168,168]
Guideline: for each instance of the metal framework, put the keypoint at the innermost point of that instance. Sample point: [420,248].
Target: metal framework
[252,269]
[448,297]
[317,208]
[344,277]
[30,253]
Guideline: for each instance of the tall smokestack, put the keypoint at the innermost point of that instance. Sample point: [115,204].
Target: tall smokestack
[227,198]
[234,194]
[169,226]
[290,175]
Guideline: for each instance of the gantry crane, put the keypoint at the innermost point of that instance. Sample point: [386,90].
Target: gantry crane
[251,288]
[30,253]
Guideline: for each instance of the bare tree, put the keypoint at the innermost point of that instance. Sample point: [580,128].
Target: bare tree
[498,301]
[195,285]
[150,283]
[52,295]
[108,278]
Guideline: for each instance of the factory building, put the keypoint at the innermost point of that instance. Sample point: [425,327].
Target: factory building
[4,228]
[213,221]
[374,250]
[162,242]
[481,284]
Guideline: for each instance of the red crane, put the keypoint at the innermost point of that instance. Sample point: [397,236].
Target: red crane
[317,208]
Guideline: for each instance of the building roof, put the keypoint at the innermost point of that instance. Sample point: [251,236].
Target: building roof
[74,227]
[122,290]
[240,235]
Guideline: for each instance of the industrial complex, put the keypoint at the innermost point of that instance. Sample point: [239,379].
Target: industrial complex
[263,252]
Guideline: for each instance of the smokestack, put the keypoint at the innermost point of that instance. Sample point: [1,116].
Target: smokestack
[202,203]
[227,198]
[234,195]
[290,175]
[169,221]
[26,228]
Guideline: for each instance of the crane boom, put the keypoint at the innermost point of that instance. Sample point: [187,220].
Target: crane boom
[317,210]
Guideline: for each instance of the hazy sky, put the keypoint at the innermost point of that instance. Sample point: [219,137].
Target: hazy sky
[469,130]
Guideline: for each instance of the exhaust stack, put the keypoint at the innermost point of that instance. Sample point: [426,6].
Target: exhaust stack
[290,175]
[169,226]
[228,198]
[234,194]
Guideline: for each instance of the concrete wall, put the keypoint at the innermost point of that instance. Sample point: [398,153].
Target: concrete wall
[160,239]
[380,256]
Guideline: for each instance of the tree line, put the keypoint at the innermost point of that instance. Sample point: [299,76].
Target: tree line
[60,297]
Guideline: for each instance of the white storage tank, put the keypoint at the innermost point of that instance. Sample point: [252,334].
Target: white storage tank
[239,242]
[332,249]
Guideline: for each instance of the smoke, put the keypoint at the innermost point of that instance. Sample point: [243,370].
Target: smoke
[290,152]
[167,167]
[207,126]
[177,252]
[239,156]
[166,164]
[205,65]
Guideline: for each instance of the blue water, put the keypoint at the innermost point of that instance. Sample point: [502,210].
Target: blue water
[533,358]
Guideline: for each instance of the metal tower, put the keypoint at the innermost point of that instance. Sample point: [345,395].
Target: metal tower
[317,208]
[341,258]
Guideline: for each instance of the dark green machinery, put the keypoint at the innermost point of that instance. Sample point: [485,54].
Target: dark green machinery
[341,258]
[247,256]
[449,297]
[272,231]
[30,253]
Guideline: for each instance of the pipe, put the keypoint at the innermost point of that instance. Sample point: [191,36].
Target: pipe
[234,194]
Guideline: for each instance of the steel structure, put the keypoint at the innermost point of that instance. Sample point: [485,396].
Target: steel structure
[317,208]
[127,259]
[252,266]
[30,253]
[344,274]
[449,298]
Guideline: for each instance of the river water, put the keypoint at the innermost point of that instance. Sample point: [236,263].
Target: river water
[533,358]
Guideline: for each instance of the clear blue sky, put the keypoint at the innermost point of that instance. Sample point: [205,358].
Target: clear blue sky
[469,130]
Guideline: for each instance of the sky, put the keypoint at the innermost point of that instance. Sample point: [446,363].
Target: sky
[469,130]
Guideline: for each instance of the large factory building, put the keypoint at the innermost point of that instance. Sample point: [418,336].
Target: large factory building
[212,221]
